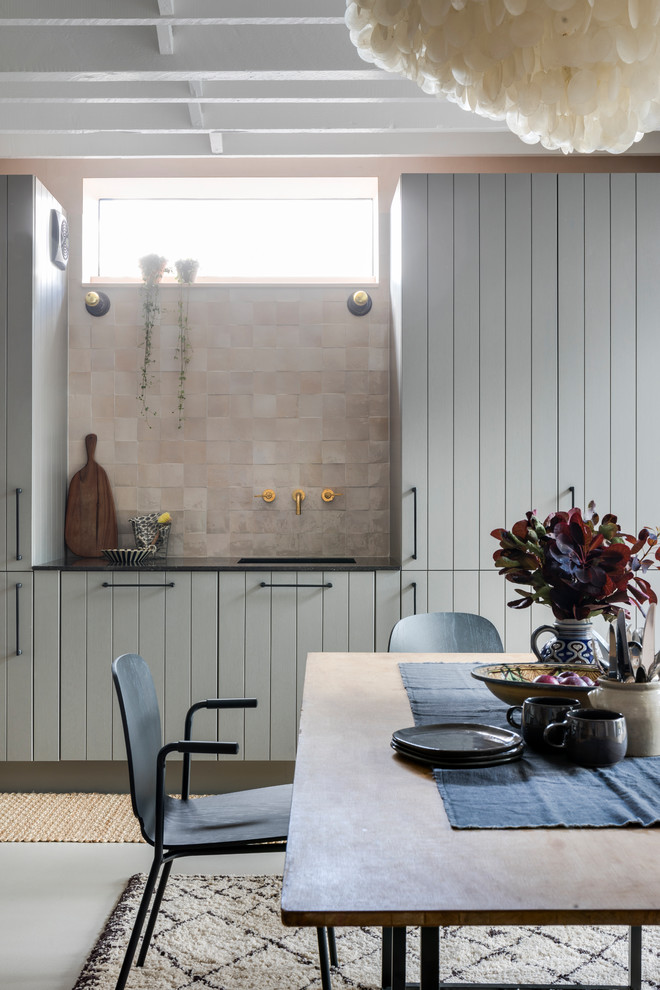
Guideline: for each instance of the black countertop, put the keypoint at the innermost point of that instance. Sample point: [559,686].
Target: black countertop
[224,564]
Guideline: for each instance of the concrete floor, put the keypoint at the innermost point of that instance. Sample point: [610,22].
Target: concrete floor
[55,899]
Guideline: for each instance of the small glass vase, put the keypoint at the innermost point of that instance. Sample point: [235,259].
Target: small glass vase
[573,641]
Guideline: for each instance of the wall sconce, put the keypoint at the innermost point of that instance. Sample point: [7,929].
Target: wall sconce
[359,303]
[97,303]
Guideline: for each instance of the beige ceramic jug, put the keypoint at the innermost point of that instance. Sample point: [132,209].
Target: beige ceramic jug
[640,706]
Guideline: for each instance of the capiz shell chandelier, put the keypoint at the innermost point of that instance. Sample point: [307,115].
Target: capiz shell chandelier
[576,75]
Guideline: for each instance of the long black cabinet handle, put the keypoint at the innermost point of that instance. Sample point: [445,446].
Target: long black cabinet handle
[571,489]
[107,584]
[264,584]
[413,585]
[19,651]
[19,555]
[414,495]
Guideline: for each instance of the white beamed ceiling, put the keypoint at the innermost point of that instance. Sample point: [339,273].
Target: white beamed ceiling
[190,78]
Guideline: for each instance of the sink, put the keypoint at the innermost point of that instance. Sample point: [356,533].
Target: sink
[296,560]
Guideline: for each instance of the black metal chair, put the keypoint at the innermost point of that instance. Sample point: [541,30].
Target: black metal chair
[445,632]
[244,821]
[435,632]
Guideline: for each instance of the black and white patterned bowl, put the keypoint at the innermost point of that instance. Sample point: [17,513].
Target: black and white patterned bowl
[130,556]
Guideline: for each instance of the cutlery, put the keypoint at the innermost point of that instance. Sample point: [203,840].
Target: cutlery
[648,642]
[623,653]
[613,672]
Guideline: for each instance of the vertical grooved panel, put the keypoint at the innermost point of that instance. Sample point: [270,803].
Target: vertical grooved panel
[231,657]
[466,371]
[335,614]
[623,347]
[361,611]
[20,685]
[492,366]
[283,681]
[597,317]
[571,314]
[204,652]
[544,473]
[257,664]
[309,624]
[414,385]
[78,695]
[436,369]
[388,606]
[178,634]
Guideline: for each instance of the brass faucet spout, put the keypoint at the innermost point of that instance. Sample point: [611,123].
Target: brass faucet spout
[298,497]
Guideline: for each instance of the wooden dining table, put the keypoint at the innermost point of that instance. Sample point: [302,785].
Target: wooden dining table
[370,843]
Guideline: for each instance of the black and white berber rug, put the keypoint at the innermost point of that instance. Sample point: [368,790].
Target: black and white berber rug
[225,933]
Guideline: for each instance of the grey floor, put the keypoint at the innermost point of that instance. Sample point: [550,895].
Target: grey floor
[56,897]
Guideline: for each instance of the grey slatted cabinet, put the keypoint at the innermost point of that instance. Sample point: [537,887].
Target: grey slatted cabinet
[33,458]
[227,634]
[524,311]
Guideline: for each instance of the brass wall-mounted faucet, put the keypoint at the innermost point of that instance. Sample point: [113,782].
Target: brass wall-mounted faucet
[328,495]
[298,497]
[268,495]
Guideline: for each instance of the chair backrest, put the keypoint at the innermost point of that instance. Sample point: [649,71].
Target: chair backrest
[140,717]
[445,632]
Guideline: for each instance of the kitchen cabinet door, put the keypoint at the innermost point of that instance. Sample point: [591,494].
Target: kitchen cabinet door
[34,346]
[409,301]
[16,671]
[105,614]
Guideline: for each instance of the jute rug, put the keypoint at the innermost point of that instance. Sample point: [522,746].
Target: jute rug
[225,933]
[67,818]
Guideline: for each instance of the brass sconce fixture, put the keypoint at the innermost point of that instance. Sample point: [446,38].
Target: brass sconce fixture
[359,303]
[97,303]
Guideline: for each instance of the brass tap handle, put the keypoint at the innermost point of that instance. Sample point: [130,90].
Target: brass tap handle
[328,495]
[268,495]
[298,497]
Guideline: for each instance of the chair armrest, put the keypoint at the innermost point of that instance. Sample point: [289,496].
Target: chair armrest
[215,703]
[185,746]
[187,732]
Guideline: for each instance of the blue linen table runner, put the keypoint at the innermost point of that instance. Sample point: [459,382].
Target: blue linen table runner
[537,791]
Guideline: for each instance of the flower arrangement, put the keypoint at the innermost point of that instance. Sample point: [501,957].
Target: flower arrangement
[579,566]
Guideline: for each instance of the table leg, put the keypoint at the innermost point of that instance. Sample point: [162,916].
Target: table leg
[429,959]
[398,959]
[635,957]
[386,959]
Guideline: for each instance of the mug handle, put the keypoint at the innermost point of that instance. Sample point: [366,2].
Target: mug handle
[535,635]
[509,716]
[551,731]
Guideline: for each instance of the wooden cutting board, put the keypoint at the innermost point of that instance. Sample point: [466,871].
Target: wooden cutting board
[91,521]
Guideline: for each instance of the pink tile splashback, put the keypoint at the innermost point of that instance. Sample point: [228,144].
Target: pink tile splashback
[285,389]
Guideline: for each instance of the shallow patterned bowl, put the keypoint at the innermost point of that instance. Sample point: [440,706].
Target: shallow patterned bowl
[129,557]
[513,682]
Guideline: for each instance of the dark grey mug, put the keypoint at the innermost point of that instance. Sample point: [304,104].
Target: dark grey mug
[591,737]
[536,714]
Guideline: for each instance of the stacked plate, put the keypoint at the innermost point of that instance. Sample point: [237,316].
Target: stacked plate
[458,744]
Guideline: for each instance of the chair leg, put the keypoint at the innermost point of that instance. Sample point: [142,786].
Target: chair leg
[155,908]
[137,927]
[332,944]
[324,962]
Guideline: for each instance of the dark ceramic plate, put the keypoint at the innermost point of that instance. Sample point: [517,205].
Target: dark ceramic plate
[458,763]
[456,739]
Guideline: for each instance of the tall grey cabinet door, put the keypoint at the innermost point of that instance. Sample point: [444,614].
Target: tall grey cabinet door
[36,380]
[409,372]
